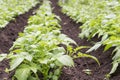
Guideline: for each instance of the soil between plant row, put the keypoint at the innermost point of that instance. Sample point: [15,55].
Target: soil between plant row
[9,34]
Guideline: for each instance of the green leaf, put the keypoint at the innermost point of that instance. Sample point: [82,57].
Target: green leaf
[34,67]
[32,78]
[117,55]
[104,37]
[89,56]
[95,47]
[70,49]
[115,65]
[66,60]
[87,71]
[2,56]
[107,47]
[17,51]
[15,62]
[80,47]
[54,77]
[22,73]
[27,56]
[66,40]
[57,72]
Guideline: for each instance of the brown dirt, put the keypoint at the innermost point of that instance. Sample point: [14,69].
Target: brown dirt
[70,28]
[9,34]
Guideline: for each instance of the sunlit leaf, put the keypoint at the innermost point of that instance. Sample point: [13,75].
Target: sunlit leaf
[15,62]
[115,65]
[66,60]
[95,47]
[79,55]
[2,56]
[22,73]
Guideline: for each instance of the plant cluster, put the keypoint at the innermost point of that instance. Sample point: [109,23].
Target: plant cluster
[36,52]
[99,17]
[12,8]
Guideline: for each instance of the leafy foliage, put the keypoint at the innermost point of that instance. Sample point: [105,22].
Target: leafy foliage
[11,8]
[37,48]
[99,17]
[36,52]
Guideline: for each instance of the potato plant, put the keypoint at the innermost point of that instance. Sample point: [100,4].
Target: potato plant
[99,17]
[9,9]
[37,54]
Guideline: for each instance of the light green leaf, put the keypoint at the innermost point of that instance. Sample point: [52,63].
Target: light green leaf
[66,60]
[89,56]
[31,78]
[107,47]
[27,56]
[34,67]
[87,71]
[95,47]
[66,40]
[15,62]
[2,56]
[17,51]
[104,37]
[22,73]
[58,50]
[70,49]
[57,71]
[117,55]
[115,65]
[80,47]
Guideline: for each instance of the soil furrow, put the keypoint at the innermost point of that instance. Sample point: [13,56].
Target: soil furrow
[71,28]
